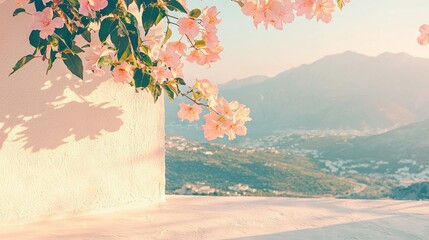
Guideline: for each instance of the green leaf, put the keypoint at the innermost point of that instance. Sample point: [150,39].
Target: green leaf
[104,61]
[195,13]
[180,81]
[176,5]
[156,91]
[124,48]
[145,58]
[141,79]
[167,35]
[87,36]
[36,41]
[108,25]
[139,3]
[128,2]
[39,5]
[149,17]
[21,62]
[77,49]
[200,43]
[65,37]
[169,92]
[131,29]
[147,2]
[161,15]
[51,60]
[18,11]
[74,64]
[122,43]
[111,6]
[66,11]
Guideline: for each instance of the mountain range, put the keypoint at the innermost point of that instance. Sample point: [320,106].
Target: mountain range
[342,91]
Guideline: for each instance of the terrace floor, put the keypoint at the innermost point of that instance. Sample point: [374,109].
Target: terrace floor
[193,217]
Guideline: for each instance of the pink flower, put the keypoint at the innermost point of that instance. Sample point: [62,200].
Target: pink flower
[161,73]
[43,21]
[275,11]
[189,27]
[154,40]
[198,56]
[207,88]
[424,35]
[270,12]
[213,128]
[232,129]
[324,9]
[213,54]
[87,6]
[188,112]
[93,55]
[241,112]
[223,108]
[178,47]
[209,18]
[170,57]
[251,8]
[211,39]
[286,14]
[178,72]
[305,7]
[123,73]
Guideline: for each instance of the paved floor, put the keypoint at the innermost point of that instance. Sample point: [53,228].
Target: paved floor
[191,217]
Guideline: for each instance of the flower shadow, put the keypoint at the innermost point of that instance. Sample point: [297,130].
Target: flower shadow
[43,111]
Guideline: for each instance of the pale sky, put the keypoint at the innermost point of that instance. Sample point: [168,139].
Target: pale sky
[370,27]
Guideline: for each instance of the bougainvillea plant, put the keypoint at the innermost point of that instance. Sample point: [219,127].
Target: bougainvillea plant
[148,50]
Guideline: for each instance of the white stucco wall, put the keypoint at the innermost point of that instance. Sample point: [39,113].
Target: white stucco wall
[68,145]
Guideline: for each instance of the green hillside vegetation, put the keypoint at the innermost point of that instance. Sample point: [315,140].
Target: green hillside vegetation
[265,170]
[407,146]
[416,191]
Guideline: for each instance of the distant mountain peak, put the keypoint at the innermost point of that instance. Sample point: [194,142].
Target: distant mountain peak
[390,54]
[237,83]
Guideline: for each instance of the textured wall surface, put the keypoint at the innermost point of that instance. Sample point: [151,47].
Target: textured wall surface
[68,145]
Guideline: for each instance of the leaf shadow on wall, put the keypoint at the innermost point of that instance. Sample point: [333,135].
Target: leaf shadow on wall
[46,119]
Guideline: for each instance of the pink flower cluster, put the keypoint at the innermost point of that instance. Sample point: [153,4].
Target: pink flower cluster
[88,7]
[423,39]
[194,32]
[280,12]
[224,118]
[46,23]
[191,28]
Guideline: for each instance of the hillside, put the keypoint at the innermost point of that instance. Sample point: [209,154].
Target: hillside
[266,170]
[400,151]
[343,91]
[416,191]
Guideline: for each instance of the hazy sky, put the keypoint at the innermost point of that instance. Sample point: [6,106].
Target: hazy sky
[370,27]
